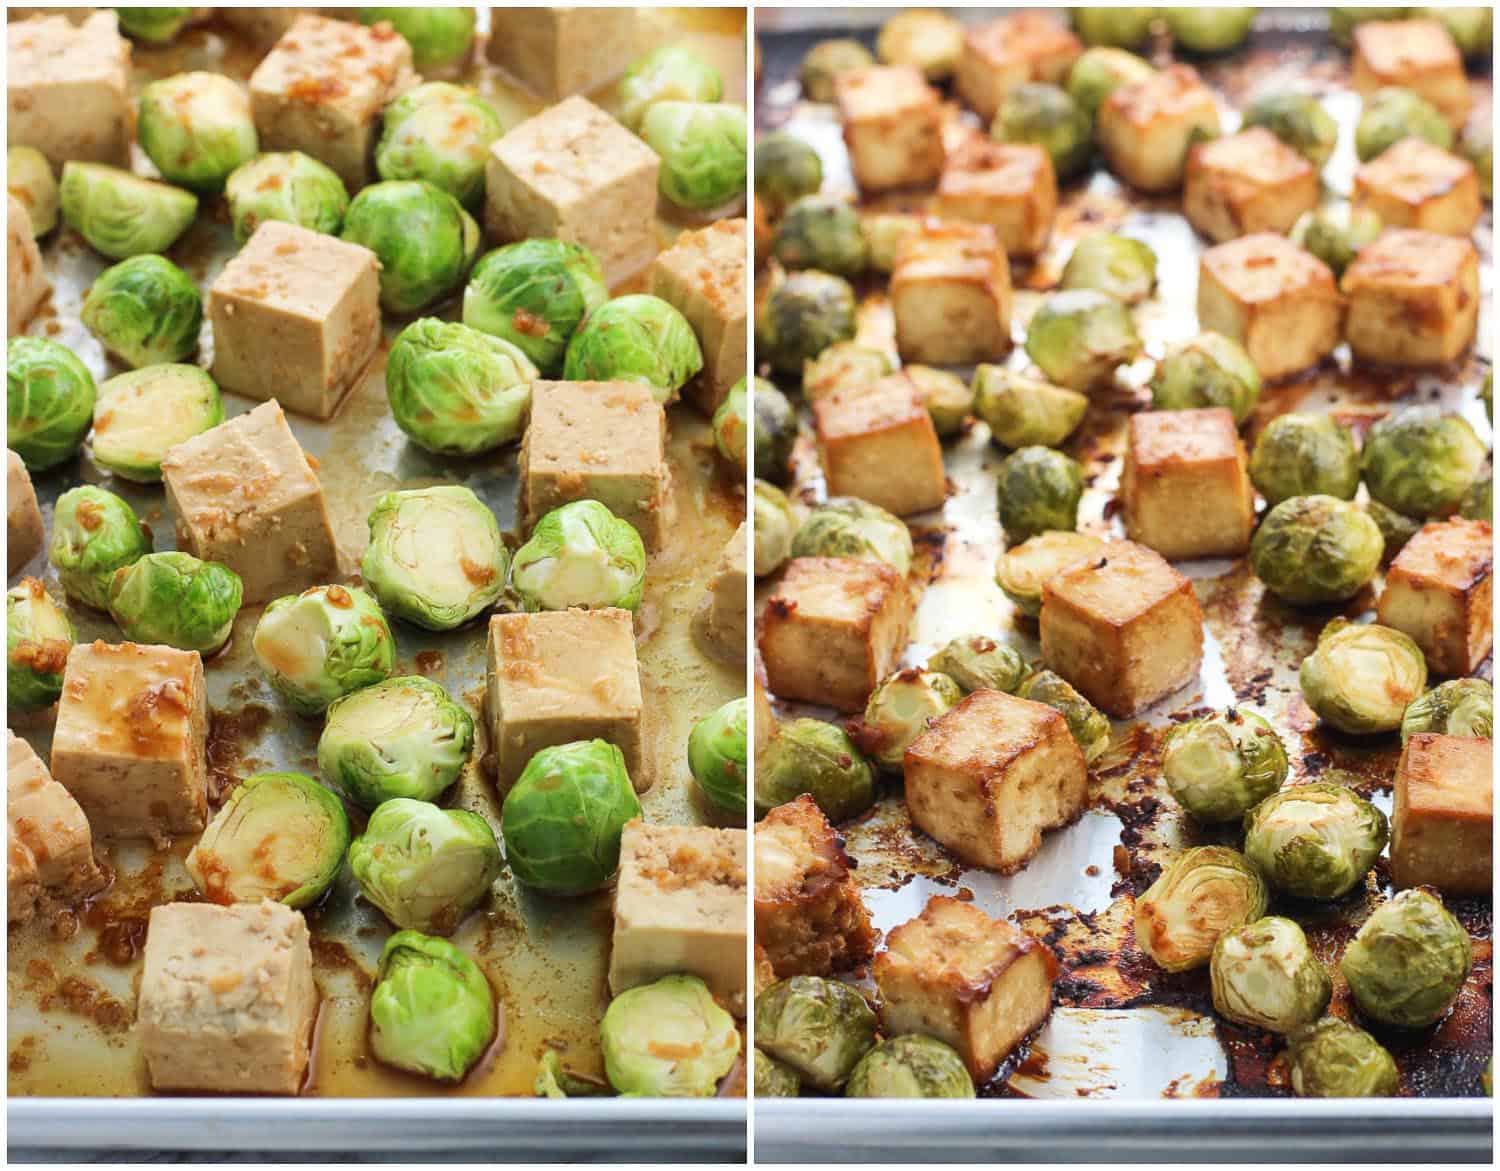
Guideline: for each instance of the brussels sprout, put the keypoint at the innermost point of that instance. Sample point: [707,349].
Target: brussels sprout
[455,390]
[1222,766]
[535,294]
[899,711]
[1315,841]
[775,432]
[821,232]
[580,555]
[843,365]
[948,398]
[816,758]
[1392,114]
[120,214]
[322,644]
[825,61]
[703,150]
[1419,461]
[405,737]
[142,414]
[554,1081]
[49,401]
[1045,115]
[1472,29]
[636,338]
[1025,412]
[1475,142]
[786,169]
[432,1011]
[1299,120]
[422,236]
[173,599]
[1209,370]
[668,1039]
[1099,72]
[910,1066]
[440,133]
[1127,28]
[288,186]
[1395,529]
[774,526]
[1123,268]
[1088,725]
[731,424]
[563,818]
[668,74]
[1305,455]
[38,637]
[440,38]
[821,1028]
[801,317]
[718,749]
[1336,233]
[1209,30]
[279,836]
[1024,569]
[1487,394]
[94,533]
[1315,549]
[1408,961]
[1478,502]
[924,38]
[774,1079]
[978,663]
[28,177]
[884,234]
[196,128]
[425,867]
[1039,489]
[1265,976]
[1203,893]
[847,527]
[1360,679]
[1341,21]
[1079,337]
[1456,707]
[1334,1059]
[144,310]
[153,26]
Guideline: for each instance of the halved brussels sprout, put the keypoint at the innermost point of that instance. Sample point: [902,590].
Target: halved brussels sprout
[1044,114]
[1098,72]
[718,752]
[322,644]
[1222,766]
[1476,143]
[668,74]
[455,390]
[1360,679]
[145,311]
[432,1011]
[668,1039]
[1039,490]
[1025,412]
[948,398]
[1472,29]
[1456,707]
[899,711]
[554,1080]
[775,432]
[821,1028]
[28,177]
[426,868]
[635,338]
[580,555]
[924,38]
[1087,724]
[703,151]
[910,1066]
[847,527]
[817,758]
[1203,893]
[842,365]
[1210,370]
[978,663]
[142,414]
[94,533]
[196,128]
[49,401]
[440,38]
[1395,529]
[1024,569]
[1305,455]
[884,234]
[1335,233]
[1408,961]
[154,26]
[1299,120]
[774,1079]
[1209,30]
[1116,265]
[440,133]
[821,232]
[423,237]
[1420,460]
[120,214]
[535,294]
[786,169]
[1080,337]
[1265,976]
[1392,114]
[1315,841]
[1334,1059]
[1479,499]
[731,423]
[173,599]
[1310,550]
[288,186]
[38,637]
[801,317]
[825,61]
[774,526]
[1342,21]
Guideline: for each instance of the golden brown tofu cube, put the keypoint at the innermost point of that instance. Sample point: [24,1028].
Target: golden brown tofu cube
[51,851]
[1145,130]
[956,974]
[1418,55]
[878,443]
[951,295]
[1439,591]
[1123,627]
[892,126]
[24,534]
[1247,182]
[26,283]
[1186,484]
[1413,298]
[1417,185]
[1011,186]
[1442,824]
[1005,53]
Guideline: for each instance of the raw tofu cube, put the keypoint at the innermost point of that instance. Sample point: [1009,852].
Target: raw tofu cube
[130,744]
[892,126]
[572,172]
[832,629]
[245,495]
[603,441]
[703,275]
[809,917]
[26,283]
[1008,52]
[24,535]
[1145,130]
[1418,55]
[956,974]
[1417,185]
[878,443]
[1413,298]
[1444,814]
[322,88]
[1276,300]
[227,1000]
[1123,627]
[951,296]
[1247,182]
[726,609]
[51,849]
[1439,591]
[556,52]
[1010,186]
[680,907]
[67,89]
[560,676]
[296,317]
[1186,485]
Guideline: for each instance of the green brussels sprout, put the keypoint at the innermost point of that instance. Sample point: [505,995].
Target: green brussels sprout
[774,1079]
[821,1028]
[801,317]
[825,61]
[668,1039]
[1039,490]
[563,818]
[1342,21]
[440,38]
[94,533]
[287,186]
[1475,142]
[910,1066]
[703,150]
[141,415]
[1361,678]
[847,527]
[322,644]
[817,758]
[1079,337]
[774,526]
[1222,766]
[884,233]
[28,177]
[1127,28]
[1299,120]
[668,74]
[554,1081]
[1487,394]
[1265,976]
[843,365]
[1305,455]
[1088,725]
[775,432]
[1025,412]
[1408,961]
[1334,1059]
[1203,893]
[580,555]
[1123,268]
[38,637]
[1335,233]
[786,169]
[978,663]
[154,26]
[432,1011]
[535,294]
[1209,30]
[1487,1078]
[948,398]
[821,232]
[636,338]
[1472,29]
[426,868]
[1419,461]
[405,737]
[1315,841]
[440,133]
[1023,570]
[196,128]
[455,390]
[1395,529]
[49,401]
[924,38]
[120,214]
[1478,502]
[1455,707]
[1098,72]
[1310,550]
[1392,114]
[1044,114]
[279,836]
[899,711]
[718,751]
[145,311]
[1209,370]
[731,425]
[423,237]
[173,599]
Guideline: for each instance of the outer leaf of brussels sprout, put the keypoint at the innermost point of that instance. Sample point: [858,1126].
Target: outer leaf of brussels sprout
[580,555]
[718,752]
[145,311]
[290,186]
[455,390]
[535,294]
[704,158]
[1408,960]
[1395,529]
[422,236]
[1088,725]
[848,527]
[440,133]
[817,758]
[1315,841]
[636,338]
[668,74]
[173,599]
[322,644]
[197,128]
[121,214]
[432,1011]
[142,414]
[911,1066]
[94,533]
[439,37]
[1315,549]
[424,867]
[821,1028]
[49,401]
[774,1079]
[38,637]
[668,1039]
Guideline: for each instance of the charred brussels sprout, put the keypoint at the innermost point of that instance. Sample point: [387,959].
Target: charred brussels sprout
[1025,412]
[1222,766]
[948,398]
[786,169]
[977,663]
[173,599]
[1305,455]
[120,214]
[636,338]
[1342,21]
[775,432]
[1265,976]
[455,390]
[1209,30]
[423,237]
[1419,461]
[1080,337]
[668,74]
[432,1011]
[1127,28]
[1039,491]
[1457,707]
[884,233]
[1336,233]
[668,1039]
[94,533]
[142,414]
[1479,499]
[775,525]
[821,1028]
[440,133]
[846,527]
[1395,529]
[718,750]
[322,644]
[291,187]
[535,294]
[1334,1059]
[801,317]
[1315,841]
[1088,725]
[821,232]
[440,38]
[1123,268]
[1210,370]
[49,401]
[580,555]
[1393,114]
[153,26]
[731,423]
[841,365]
[1475,142]
[28,176]
[197,128]
[38,637]
[1310,550]
[1299,120]
[816,758]
[899,711]
[910,1066]
[144,310]
[1203,893]
[775,1079]
[1024,570]
[1472,29]
[1044,114]
[703,150]
[924,38]
[1408,961]
[1098,72]
[1360,679]
[825,61]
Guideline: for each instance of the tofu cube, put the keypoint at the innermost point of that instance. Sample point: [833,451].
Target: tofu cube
[951,296]
[51,848]
[1417,185]
[68,89]
[296,317]
[265,26]
[603,441]
[1123,627]
[1444,813]
[1276,300]
[1186,484]
[956,974]
[1413,298]
[809,916]
[560,676]
[227,1000]
[26,283]
[1247,182]
[703,275]
[1418,55]
[832,629]
[1145,130]
[557,52]
[131,739]
[1005,53]
[892,126]
[878,443]
[726,609]
[1010,186]
[245,495]
[1439,590]
[24,534]
[572,172]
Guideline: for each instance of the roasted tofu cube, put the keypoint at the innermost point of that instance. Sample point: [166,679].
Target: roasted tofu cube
[1413,298]
[892,126]
[809,917]
[878,443]
[24,535]
[51,848]
[1439,590]
[245,495]
[1418,55]
[1123,627]
[1145,130]
[956,974]
[832,629]
[1276,300]
[1247,182]
[1005,53]
[1417,185]
[726,609]
[703,275]
[1443,816]
[26,283]
[572,172]
[1186,485]
[68,89]
[227,1000]
[951,297]
[266,26]
[1010,186]
[557,52]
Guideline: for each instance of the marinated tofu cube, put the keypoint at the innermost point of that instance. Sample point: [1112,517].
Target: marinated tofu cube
[1276,300]
[1123,627]
[1145,130]
[1186,485]
[572,172]
[1439,590]
[878,443]
[26,283]
[1005,53]
[227,1000]
[245,495]
[131,739]
[1418,55]
[703,275]
[832,629]
[1247,182]
[51,848]
[726,616]
[809,917]
[68,89]
[557,52]
[1413,298]
[1442,824]
[1417,185]
[1010,186]
[24,534]
[956,974]
[296,317]
[266,26]
[892,126]
[951,296]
